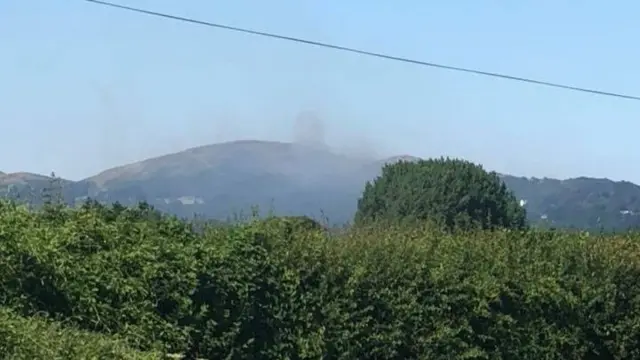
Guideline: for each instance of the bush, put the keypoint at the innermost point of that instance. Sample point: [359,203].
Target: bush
[111,270]
[268,289]
[454,194]
[38,338]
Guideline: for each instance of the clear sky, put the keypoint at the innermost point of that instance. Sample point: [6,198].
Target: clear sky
[84,87]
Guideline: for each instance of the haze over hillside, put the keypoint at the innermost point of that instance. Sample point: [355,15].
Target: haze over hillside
[220,180]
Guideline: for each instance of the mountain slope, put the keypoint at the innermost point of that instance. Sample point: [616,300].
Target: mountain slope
[222,179]
[580,202]
[29,187]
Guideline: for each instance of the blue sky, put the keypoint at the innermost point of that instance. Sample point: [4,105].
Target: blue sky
[84,87]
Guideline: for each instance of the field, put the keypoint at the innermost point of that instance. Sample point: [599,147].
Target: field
[101,282]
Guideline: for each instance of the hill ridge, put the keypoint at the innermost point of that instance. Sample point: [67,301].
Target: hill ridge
[216,180]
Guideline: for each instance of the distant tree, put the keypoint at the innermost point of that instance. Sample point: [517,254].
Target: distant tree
[451,193]
[295,223]
[52,194]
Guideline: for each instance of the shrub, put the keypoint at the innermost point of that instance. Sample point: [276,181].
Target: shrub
[267,289]
[106,270]
[39,338]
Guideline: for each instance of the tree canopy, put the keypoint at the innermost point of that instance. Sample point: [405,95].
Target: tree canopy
[452,193]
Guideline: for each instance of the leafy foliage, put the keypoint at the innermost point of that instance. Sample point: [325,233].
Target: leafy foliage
[130,283]
[449,192]
[38,338]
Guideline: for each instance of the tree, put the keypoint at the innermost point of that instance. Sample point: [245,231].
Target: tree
[452,193]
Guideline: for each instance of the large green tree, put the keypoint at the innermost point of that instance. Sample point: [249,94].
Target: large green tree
[452,193]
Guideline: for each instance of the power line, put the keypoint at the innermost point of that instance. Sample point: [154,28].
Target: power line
[363,52]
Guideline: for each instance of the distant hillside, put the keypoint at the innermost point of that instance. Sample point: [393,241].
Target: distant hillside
[219,180]
[223,179]
[580,202]
[29,187]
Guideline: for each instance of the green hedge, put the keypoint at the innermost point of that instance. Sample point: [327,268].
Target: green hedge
[275,290]
[37,338]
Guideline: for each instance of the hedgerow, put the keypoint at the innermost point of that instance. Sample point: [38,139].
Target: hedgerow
[280,289]
[37,338]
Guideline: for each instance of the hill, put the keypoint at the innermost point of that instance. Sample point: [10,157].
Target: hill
[223,179]
[586,203]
